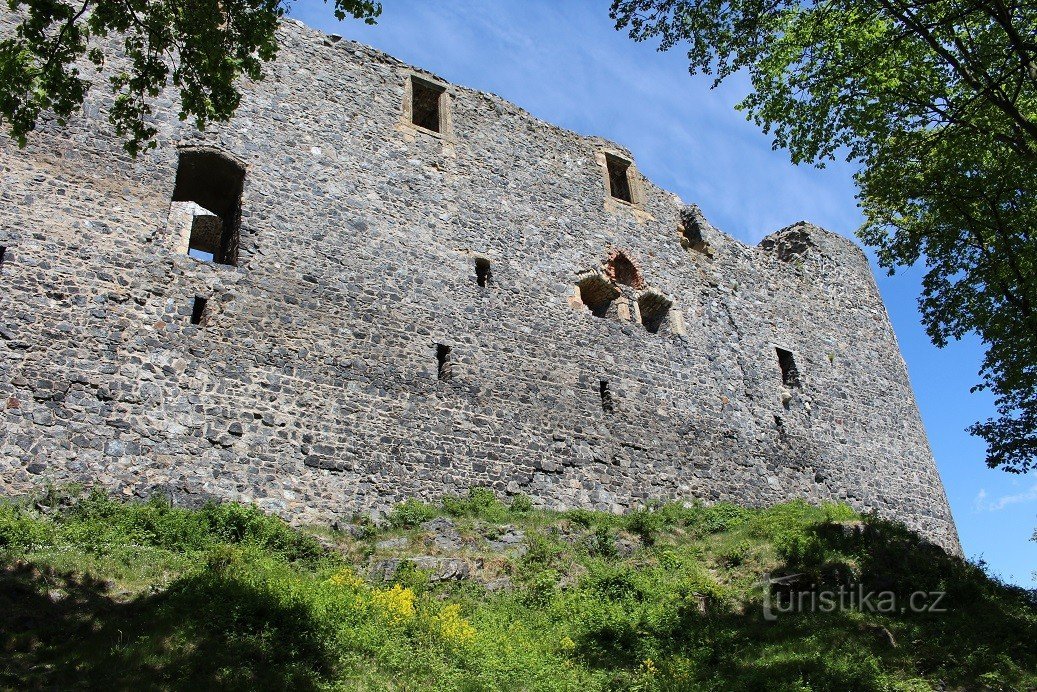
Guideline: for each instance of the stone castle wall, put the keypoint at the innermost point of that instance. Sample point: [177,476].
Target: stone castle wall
[313,384]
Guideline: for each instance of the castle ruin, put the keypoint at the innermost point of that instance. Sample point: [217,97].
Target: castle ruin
[372,284]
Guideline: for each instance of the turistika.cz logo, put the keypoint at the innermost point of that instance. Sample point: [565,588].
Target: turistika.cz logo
[853,597]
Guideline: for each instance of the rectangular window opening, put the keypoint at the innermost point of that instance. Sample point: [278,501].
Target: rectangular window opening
[482,272]
[3,253]
[198,311]
[789,371]
[207,198]
[443,361]
[607,404]
[619,180]
[425,100]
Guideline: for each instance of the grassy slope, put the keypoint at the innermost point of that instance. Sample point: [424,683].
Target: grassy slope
[94,592]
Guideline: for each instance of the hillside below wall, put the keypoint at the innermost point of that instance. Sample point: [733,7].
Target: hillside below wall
[314,386]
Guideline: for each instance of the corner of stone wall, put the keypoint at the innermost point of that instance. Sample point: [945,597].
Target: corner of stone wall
[797,240]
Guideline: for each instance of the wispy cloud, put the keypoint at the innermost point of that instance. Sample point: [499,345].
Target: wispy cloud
[982,505]
[979,502]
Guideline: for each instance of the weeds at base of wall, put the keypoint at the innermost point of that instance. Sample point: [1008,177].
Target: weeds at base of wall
[98,592]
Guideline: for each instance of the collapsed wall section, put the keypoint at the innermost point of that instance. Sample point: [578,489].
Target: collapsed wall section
[405,288]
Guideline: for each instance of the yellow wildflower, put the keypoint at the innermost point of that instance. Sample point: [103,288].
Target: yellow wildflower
[452,626]
[346,577]
[396,604]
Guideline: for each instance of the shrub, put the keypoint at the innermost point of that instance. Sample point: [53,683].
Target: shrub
[613,582]
[540,552]
[480,503]
[396,604]
[582,517]
[236,523]
[521,504]
[646,524]
[723,516]
[539,588]
[21,531]
[736,554]
[247,607]
[411,513]
[602,543]
[452,626]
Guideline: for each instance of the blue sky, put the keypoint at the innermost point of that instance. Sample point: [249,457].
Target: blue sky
[563,62]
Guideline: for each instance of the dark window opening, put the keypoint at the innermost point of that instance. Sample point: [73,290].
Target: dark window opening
[619,180]
[607,404]
[624,271]
[3,253]
[425,99]
[198,312]
[691,234]
[443,368]
[654,308]
[789,371]
[597,293]
[213,181]
[482,272]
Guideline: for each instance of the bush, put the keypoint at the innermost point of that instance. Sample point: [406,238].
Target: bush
[540,552]
[236,523]
[96,523]
[602,543]
[539,588]
[480,503]
[736,554]
[582,517]
[411,513]
[614,582]
[19,530]
[521,504]
[646,524]
[718,518]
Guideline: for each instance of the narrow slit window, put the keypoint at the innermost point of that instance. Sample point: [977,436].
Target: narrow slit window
[425,104]
[198,311]
[207,202]
[443,366]
[789,371]
[3,253]
[619,178]
[607,404]
[482,272]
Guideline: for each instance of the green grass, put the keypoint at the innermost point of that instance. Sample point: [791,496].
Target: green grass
[96,592]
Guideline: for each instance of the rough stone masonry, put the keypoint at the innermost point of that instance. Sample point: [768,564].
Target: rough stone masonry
[372,284]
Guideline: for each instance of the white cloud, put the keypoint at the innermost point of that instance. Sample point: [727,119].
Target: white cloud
[977,504]
[1028,495]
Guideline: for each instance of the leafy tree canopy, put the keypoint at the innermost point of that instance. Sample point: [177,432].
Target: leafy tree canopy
[201,47]
[936,101]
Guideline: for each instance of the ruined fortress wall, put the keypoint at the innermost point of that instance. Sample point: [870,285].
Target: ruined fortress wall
[312,386]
